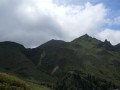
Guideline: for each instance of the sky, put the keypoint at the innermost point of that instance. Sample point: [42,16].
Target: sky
[34,22]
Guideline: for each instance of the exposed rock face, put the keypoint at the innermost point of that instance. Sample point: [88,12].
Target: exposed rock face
[54,70]
[41,58]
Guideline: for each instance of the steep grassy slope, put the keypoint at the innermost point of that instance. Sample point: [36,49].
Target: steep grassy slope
[8,82]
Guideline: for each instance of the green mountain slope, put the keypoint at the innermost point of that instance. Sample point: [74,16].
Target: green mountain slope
[84,53]
[14,60]
[51,61]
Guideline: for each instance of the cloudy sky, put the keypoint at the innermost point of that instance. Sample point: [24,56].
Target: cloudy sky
[33,22]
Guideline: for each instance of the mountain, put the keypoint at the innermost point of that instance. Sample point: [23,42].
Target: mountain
[13,60]
[52,60]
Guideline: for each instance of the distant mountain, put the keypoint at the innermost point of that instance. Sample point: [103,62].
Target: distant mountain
[53,59]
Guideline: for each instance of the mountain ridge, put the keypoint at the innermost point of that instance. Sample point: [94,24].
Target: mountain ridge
[86,36]
[50,61]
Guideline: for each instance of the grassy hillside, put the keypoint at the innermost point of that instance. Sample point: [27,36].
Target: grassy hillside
[9,82]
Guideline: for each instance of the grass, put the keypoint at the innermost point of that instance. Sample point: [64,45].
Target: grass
[34,86]
[9,82]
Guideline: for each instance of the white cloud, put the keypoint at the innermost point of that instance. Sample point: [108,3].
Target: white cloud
[44,20]
[112,35]
[74,20]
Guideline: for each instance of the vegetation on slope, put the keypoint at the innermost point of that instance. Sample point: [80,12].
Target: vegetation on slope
[9,82]
[75,80]
[13,60]
[84,53]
